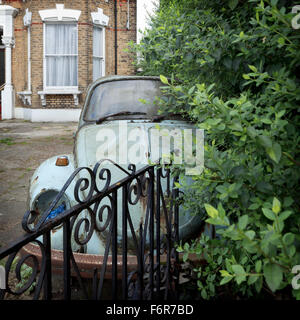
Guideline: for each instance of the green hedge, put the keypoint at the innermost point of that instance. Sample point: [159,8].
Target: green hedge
[234,70]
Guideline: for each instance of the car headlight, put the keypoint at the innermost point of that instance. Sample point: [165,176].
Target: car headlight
[43,201]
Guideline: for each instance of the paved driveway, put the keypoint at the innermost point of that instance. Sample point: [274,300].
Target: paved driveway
[23,146]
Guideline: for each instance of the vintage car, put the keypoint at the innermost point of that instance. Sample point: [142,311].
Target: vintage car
[115,123]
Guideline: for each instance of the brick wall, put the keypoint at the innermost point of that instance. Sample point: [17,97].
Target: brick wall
[85,46]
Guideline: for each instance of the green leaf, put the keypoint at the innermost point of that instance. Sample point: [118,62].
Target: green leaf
[276,206]
[221,211]
[253,68]
[250,234]
[264,187]
[254,206]
[281,41]
[246,77]
[258,265]
[243,221]
[238,269]
[259,284]
[185,256]
[291,250]
[218,221]
[225,280]
[288,239]
[236,125]
[273,275]
[274,152]
[240,274]
[252,279]
[265,141]
[204,293]
[284,215]
[266,120]
[232,4]
[143,101]
[269,214]
[211,211]
[177,185]
[274,239]
[249,245]
[225,273]
[163,79]
[251,132]
[228,264]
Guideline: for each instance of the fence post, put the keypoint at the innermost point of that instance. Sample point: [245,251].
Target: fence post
[124,242]
[114,245]
[157,267]
[151,229]
[2,278]
[67,258]
[48,274]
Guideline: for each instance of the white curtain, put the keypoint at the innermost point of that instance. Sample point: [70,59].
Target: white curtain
[61,51]
[98,56]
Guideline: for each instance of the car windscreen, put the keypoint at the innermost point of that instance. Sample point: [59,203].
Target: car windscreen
[123,96]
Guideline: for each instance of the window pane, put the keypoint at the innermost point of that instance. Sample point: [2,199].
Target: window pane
[97,52]
[97,68]
[61,71]
[97,42]
[60,46]
[61,39]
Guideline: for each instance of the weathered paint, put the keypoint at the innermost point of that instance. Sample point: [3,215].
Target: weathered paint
[85,151]
[51,177]
[47,177]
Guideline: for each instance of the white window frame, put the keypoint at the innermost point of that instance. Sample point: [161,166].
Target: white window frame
[57,88]
[59,15]
[100,20]
[102,58]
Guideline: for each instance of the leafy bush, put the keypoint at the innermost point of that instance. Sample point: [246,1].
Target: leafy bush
[233,68]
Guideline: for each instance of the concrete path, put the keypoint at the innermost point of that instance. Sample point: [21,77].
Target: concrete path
[23,146]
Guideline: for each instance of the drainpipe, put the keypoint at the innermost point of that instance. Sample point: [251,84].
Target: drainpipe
[128,15]
[26,95]
[116,39]
[29,58]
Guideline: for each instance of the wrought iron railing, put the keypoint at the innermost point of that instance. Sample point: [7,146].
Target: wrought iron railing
[153,269]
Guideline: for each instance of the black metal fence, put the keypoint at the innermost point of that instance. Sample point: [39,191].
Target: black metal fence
[149,269]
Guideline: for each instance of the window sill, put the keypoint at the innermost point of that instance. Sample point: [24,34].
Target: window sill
[25,96]
[64,91]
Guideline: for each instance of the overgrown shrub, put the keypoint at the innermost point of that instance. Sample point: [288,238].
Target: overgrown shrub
[233,68]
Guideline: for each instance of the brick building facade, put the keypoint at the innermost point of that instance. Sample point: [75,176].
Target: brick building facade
[52,50]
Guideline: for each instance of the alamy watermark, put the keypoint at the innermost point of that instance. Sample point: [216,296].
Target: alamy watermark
[140,144]
[296,18]
[295,284]
[2,278]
